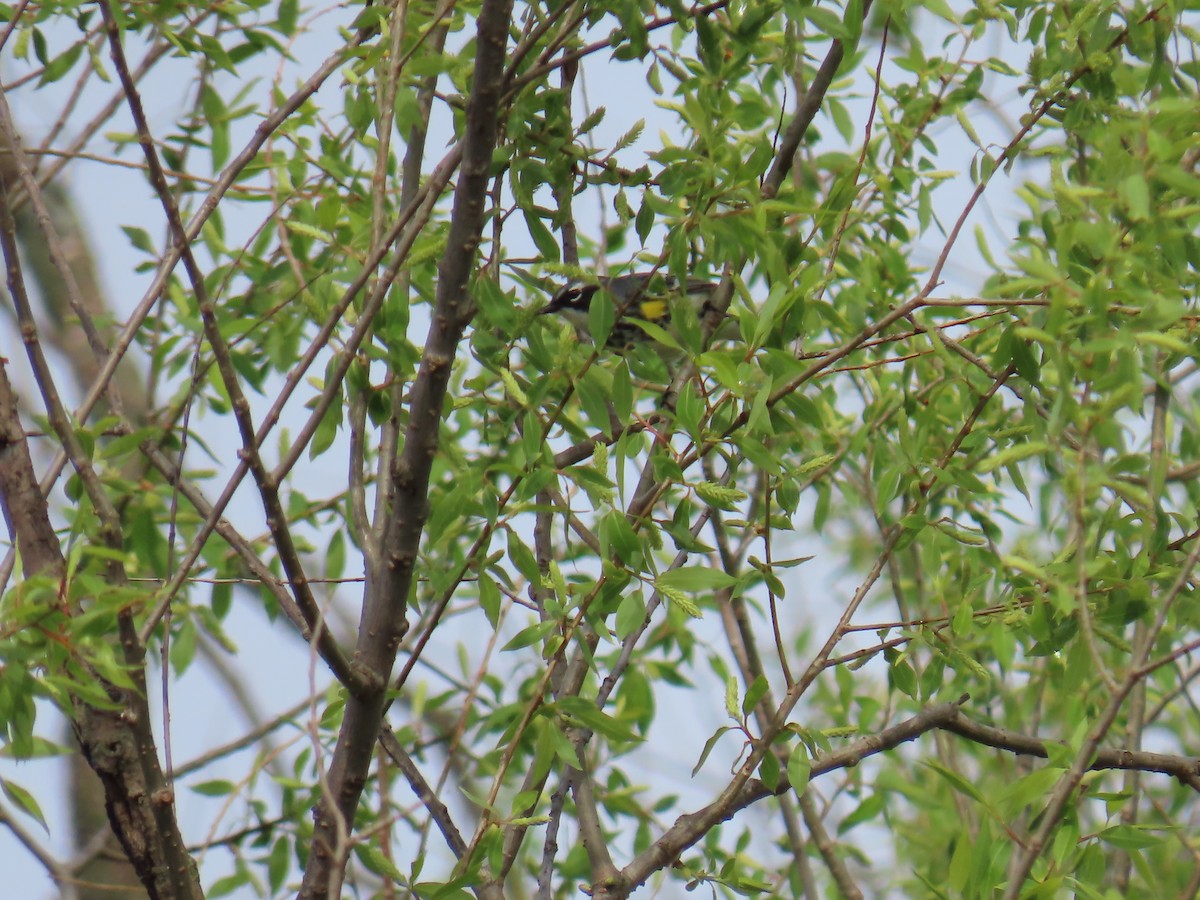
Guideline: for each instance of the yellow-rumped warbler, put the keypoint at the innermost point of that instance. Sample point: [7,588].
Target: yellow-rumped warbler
[647,296]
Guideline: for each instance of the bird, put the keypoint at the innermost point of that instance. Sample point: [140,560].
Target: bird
[645,296]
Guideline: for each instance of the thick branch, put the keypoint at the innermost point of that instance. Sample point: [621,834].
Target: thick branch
[1185,768]
[384,619]
[116,739]
[690,828]
[806,111]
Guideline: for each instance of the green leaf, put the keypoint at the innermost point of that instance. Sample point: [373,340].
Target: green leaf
[1013,454]
[326,430]
[527,637]
[768,771]
[1167,342]
[489,598]
[278,863]
[24,801]
[903,676]
[140,239]
[708,747]
[289,14]
[621,394]
[1135,837]
[826,23]
[695,579]
[61,64]
[602,315]
[229,884]
[522,557]
[757,690]
[799,767]
[957,781]
[584,712]
[215,788]
[1137,195]
[372,857]
[619,538]
[871,807]
[959,875]
[941,9]
[854,25]
[542,238]
[631,614]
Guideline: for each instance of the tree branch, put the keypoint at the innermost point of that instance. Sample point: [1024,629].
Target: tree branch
[116,738]
[384,620]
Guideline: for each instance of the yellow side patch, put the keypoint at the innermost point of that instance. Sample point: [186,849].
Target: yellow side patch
[652,310]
